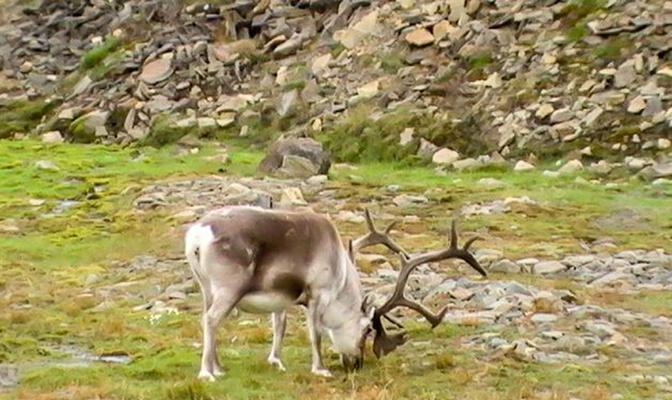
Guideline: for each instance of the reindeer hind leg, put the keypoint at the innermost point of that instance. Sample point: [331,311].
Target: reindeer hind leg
[279,320]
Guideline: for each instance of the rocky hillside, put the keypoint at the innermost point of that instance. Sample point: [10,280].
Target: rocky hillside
[372,79]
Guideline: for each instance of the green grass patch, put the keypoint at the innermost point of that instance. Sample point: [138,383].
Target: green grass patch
[358,138]
[97,54]
[22,116]
[612,49]
[298,84]
[479,61]
[392,61]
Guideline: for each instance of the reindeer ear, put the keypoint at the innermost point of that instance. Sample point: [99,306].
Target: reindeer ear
[372,312]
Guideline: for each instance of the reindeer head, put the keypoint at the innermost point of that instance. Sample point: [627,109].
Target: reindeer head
[384,343]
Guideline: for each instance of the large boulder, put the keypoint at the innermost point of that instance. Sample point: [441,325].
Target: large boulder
[288,152]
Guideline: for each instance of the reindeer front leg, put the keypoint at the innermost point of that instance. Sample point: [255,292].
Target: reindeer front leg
[279,320]
[315,340]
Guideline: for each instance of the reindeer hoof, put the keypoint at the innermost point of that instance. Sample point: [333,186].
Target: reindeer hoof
[206,376]
[277,362]
[322,372]
[218,371]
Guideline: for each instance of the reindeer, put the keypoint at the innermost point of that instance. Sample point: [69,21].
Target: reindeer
[265,261]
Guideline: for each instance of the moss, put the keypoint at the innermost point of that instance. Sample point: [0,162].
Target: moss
[358,138]
[337,49]
[163,131]
[297,84]
[577,10]
[392,61]
[97,54]
[23,116]
[611,50]
[479,61]
[577,32]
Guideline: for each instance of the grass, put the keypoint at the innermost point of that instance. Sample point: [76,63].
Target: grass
[98,53]
[480,61]
[22,116]
[297,84]
[370,140]
[392,61]
[65,282]
[611,50]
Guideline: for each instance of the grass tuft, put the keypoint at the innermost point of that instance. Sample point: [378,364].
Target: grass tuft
[97,54]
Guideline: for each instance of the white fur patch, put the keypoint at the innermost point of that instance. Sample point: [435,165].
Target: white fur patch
[197,236]
[264,302]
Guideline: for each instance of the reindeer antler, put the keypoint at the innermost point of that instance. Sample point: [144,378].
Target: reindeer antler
[384,343]
[374,237]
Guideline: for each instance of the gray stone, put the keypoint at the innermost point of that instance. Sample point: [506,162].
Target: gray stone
[548,267]
[296,167]
[52,137]
[505,266]
[46,165]
[561,115]
[292,196]
[156,71]
[523,166]
[542,318]
[289,47]
[305,148]
[625,75]
[406,200]
[427,149]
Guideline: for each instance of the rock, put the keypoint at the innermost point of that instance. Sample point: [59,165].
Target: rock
[86,128]
[571,167]
[505,266]
[352,37]
[544,111]
[296,167]
[465,164]
[657,171]
[442,29]
[52,137]
[548,267]
[523,166]
[156,71]
[206,122]
[663,143]
[317,180]
[427,149]
[159,104]
[320,64]
[406,200]
[292,197]
[542,318]
[445,156]
[491,182]
[46,165]
[592,116]
[601,167]
[369,90]
[625,75]
[457,10]
[289,47]
[82,86]
[9,376]
[406,136]
[637,105]
[288,102]
[305,148]
[561,115]
[419,37]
